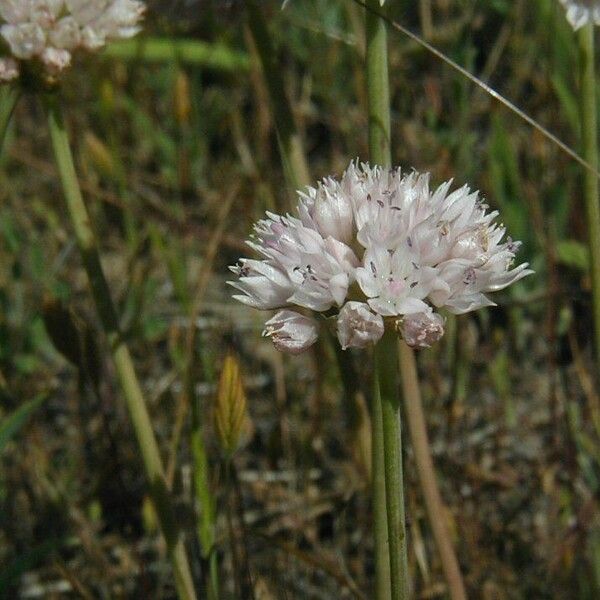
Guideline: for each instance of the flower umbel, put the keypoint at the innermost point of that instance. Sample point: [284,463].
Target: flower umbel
[582,12]
[381,249]
[48,31]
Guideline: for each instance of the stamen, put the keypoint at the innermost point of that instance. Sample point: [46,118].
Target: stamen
[470,276]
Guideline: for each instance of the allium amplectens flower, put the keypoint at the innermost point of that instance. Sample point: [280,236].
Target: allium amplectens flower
[380,249]
[48,31]
[582,12]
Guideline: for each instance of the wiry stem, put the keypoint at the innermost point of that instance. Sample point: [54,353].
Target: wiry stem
[589,136]
[388,500]
[380,527]
[378,88]
[130,386]
[386,373]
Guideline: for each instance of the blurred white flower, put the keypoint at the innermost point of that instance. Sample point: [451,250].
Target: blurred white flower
[421,330]
[358,326]
[387,244]
[50,30]
[291,332]
[581,12]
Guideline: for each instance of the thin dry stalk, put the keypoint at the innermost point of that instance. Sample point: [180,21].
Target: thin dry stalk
[433,501]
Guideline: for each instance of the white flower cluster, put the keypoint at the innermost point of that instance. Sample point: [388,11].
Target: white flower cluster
[50,30]
[582,12]
[377,247]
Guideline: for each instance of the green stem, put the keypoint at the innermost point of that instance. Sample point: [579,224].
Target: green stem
[290,142]
[120,353]
[388,495]
[8,100]
[386,373]
[380,526]
[378,87]
[589,135]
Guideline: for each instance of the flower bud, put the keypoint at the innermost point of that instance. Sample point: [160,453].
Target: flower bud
[357,326]
[291,332]
[421,330]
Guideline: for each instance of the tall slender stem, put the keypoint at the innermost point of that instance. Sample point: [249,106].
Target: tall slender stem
[387,427]
[378,87]
[589,136]
[8,100]
[413,408]
[386,373]
[130,386]
[380,526]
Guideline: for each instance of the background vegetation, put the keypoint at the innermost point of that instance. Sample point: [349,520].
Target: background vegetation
[177,156]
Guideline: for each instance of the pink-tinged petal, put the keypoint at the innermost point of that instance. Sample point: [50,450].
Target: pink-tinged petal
[467,303]
[338,286]
[410,306]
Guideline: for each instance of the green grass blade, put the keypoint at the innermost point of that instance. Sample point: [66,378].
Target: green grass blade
[193,52]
